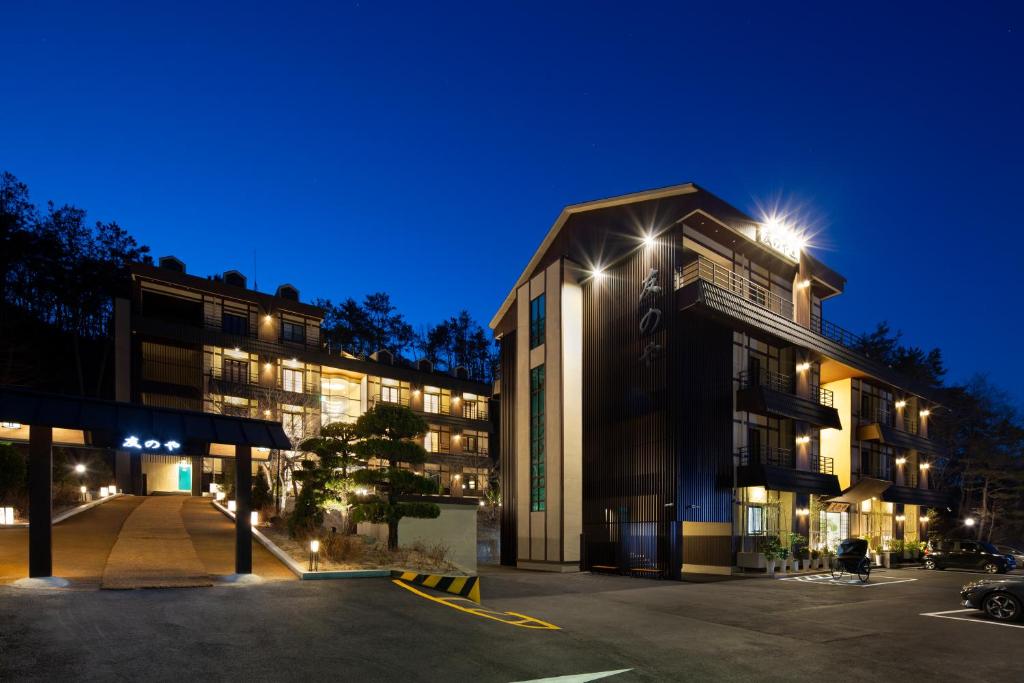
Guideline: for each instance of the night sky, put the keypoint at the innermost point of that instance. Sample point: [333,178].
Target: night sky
[425,151]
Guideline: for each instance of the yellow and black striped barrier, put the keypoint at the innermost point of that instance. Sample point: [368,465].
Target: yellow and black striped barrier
[464,586]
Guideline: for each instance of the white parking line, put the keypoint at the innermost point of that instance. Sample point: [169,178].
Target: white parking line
[975,620]
[852,581]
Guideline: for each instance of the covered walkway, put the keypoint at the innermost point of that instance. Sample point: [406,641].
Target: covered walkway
[83,545]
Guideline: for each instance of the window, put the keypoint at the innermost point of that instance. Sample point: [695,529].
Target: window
[233,323]
[291,380]
[389,394]
[538,487]
[968,547]
[474,442]
[293,332]
[431,403]
[537,321]
[236,371]
[755,521]
[432,441]
[294,425]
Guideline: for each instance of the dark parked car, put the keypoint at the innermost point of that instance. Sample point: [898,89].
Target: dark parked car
[1001,599]
[957,554]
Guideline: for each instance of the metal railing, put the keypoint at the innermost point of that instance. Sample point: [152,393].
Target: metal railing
[473,411]
[880,414]
[767,455]
[822,464]
[769,379]
[838,334]
[825,396]
[720,276]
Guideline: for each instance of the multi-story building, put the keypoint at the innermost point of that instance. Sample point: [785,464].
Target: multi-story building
[215,345]
[671,396]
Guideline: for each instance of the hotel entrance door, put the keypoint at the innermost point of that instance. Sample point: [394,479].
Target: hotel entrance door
[184,476]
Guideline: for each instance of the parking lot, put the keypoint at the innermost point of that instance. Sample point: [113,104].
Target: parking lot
[903,624]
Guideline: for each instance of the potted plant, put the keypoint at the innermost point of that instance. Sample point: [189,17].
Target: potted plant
[797,545]
[876,554]
[815,559]
[783,560]
[771,555]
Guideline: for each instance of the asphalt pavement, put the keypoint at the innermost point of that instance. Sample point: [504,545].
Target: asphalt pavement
[374,630]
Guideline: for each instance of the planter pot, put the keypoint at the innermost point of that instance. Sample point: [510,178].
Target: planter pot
[886,560]
[769,567]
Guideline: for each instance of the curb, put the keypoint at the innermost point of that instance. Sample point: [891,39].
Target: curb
[296,568]
[67,514]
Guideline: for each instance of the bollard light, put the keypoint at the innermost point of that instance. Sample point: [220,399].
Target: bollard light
[254,518]
[104,492]
[314,555]
[220,495]
[231,506]
[7,515]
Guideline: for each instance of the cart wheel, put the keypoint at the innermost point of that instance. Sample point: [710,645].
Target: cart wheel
[837,569]
[864,570]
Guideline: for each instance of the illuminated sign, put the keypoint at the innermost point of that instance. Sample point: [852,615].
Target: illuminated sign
[135,443]
[650,288]
[780,239]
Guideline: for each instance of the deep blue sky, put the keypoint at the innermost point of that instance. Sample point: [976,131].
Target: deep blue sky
[426,150]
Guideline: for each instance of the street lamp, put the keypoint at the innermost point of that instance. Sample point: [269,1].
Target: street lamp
[80,468]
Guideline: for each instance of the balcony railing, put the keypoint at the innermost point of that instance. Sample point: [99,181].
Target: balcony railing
[840,335]
[776,381]
[720,276]
[767,455]
[783,383]
[908,424]
[822,464]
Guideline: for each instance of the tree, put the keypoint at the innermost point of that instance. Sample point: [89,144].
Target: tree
[326,479]
[387,436]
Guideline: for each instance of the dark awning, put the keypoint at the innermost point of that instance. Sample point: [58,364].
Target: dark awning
[862,490]
[875,431]
[111,423]
[914,496]
[766,401]
[786,479]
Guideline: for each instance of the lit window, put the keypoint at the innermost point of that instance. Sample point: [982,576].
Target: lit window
[389,394]
[432,442]
[755,521]
[431,403]
[291,380]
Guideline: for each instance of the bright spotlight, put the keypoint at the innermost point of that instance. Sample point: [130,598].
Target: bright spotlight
[969,521]
[649,240]
[80,468]
[597,273]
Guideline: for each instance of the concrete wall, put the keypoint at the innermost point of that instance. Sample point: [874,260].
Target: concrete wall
[161,473]
[455,528]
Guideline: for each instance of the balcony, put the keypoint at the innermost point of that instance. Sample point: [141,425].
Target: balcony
[723,278]
[899,431]
[772,393]
[775,468]
[715,291]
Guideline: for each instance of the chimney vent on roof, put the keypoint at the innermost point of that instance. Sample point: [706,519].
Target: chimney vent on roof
[461,372]
[234,278]
[288,292]
[424,365]
[172,263]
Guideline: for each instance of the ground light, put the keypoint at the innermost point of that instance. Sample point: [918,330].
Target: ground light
[80,468]
[254,518]
[314,555]
[82,491]
[231,506]
[7,515]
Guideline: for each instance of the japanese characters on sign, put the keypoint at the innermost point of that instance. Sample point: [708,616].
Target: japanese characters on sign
[650,319]
[150,444]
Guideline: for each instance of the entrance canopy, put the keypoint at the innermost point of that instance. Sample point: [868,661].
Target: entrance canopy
[134,428]
[863,490]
